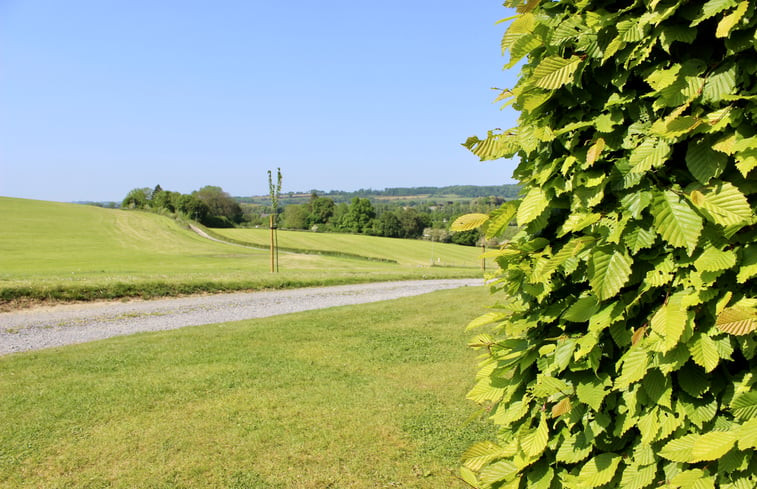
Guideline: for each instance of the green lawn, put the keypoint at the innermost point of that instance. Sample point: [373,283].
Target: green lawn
[410,252]
[367,396]
[69,251]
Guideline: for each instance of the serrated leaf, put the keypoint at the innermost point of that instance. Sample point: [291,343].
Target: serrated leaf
[555,71]
[744,405]
[711,446]
[481,453]
[713,259]
[608,272]
[599,470]
[592,390]
[540,476]
[499,471]
[488,318]
[747,435]
[726,144]
[705,163]
[704,352]
[679,449]
[522,26]
[660,79]
[532,206]
[676,221]
[724,204]
[635,366]
[729,21]
[582,310]
[535,441]
[468,477]
[670,320]
[639,238]
[500,219]
[652,153]
[574,449]
[469,221]
[636,477]
[719,84]
[710,8]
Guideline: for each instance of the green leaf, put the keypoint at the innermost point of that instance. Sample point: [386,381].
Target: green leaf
[747,434]
[499,471]
[636,202]
[636,477]
[481,453]
[469,221]
[532,206]
[609,270]
[574,449]
[652,153]
[705,163]
[729,21]
[712,7]
[660,79]
[639,238]
[704,352]
[679,449]
[676,221]
[592,390]
[719,84]
[711,446]
[744,405]
[535,441]
[713,259]
[582,310]
[670,320]
[635,366]
[554,72]
[499,219]
[724,204]
[599,470]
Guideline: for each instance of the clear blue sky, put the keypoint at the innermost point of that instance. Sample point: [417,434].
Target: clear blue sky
[98,96]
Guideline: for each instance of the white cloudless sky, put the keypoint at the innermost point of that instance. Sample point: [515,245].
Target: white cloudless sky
[101,96]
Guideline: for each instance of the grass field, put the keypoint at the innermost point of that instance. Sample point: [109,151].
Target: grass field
[409,252]
[65,251]
[356,397]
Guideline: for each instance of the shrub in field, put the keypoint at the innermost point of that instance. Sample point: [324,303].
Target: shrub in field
[622,351]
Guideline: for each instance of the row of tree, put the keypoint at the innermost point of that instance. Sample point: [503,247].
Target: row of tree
[213,207]
[209,205]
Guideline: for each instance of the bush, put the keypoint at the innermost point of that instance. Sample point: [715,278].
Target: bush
[623,347]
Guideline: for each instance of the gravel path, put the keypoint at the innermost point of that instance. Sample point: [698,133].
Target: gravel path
[78,323]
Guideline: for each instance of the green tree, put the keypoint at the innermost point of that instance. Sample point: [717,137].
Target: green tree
[359,216]
[220,203]
[622,351]
[320,210]
[137,198]
[295,216]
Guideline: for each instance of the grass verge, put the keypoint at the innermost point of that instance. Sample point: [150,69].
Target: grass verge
[368,396]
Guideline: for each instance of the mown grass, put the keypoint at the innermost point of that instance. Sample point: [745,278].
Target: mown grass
[411,252]
[56,251]
[368,396]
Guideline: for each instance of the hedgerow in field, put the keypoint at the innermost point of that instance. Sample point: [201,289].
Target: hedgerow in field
[621,352]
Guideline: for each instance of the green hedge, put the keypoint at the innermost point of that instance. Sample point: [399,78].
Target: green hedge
[621,352]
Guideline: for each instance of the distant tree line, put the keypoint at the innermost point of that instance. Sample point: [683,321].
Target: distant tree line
[427,219]
[209,205]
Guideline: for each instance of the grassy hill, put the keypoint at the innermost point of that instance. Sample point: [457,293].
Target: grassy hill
[62,251]
[407,252]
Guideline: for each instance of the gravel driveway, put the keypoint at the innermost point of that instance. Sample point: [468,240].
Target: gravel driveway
[78,323]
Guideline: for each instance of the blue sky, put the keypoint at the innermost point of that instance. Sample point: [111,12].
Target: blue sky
[98,97]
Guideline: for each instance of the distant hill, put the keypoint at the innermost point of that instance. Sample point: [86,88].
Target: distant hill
[440,194]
